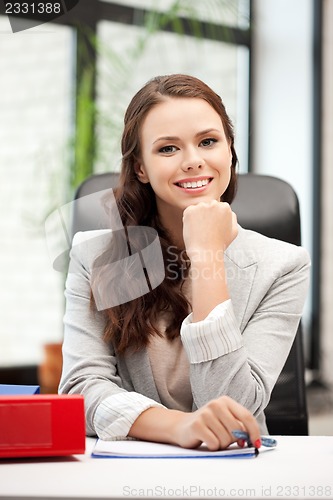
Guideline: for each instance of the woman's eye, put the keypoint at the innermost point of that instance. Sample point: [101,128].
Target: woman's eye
[168,149]
[208,142]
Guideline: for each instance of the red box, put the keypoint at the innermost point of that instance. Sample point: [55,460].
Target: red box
[41,425]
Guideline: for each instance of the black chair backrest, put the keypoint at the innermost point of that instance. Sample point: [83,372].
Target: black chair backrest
[91,214]
[269,206]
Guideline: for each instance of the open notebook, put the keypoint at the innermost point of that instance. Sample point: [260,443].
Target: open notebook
[146,449]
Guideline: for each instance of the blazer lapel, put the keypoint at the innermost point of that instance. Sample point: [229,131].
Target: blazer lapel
[240,269]
[140,373]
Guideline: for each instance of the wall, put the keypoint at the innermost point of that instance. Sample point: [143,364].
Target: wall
[327,200]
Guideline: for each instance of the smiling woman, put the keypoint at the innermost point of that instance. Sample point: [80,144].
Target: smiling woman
[190,360]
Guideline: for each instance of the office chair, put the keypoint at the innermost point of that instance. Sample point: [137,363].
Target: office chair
[269,206]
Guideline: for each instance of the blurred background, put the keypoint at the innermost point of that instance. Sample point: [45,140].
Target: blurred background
[64,86]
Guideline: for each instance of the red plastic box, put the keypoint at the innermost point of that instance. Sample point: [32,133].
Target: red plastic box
[41,425]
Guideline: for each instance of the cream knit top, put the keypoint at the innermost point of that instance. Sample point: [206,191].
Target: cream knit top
[170,367]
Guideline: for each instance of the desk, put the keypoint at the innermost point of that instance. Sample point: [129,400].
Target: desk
[300,467]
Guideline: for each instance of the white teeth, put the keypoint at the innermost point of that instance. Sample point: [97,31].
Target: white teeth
[194,184]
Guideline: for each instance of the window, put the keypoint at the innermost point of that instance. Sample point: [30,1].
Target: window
[222,65]
[35,104]
[37,87]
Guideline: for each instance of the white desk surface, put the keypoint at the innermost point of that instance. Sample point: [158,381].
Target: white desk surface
[300,467]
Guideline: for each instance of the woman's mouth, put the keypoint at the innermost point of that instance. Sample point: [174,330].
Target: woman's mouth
[194,184]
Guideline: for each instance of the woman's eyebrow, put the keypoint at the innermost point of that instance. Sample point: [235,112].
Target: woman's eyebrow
[175,138]
[207,131]
[167,138]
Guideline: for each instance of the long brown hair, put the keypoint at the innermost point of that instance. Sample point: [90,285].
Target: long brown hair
[130,325]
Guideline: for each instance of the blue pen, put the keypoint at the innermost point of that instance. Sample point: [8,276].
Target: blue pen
[265,441]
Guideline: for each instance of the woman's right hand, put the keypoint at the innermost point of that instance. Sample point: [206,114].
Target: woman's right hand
[208,229]
[212,424]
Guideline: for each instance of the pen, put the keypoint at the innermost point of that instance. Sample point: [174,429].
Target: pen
[265,441]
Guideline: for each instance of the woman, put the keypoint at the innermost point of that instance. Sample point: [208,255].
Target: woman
[198,356]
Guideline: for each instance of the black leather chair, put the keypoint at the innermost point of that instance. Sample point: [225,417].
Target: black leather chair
[269,206]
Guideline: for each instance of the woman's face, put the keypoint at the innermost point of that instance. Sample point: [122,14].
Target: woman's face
[185,154]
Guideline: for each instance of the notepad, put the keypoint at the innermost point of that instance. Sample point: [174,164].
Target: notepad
[146,449]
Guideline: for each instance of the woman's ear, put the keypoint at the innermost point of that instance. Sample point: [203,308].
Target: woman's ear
[141,173]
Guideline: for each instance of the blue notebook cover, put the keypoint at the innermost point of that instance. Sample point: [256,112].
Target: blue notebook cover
[18,390]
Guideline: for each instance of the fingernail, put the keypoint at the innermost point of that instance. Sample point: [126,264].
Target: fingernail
[257,443]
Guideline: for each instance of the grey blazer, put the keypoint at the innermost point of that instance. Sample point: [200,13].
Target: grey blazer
[267,281]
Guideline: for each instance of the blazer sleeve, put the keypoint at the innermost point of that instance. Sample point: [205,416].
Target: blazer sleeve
[244,359]
[89,363]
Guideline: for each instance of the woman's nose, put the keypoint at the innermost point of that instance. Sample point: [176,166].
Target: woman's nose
[192,161]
